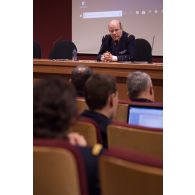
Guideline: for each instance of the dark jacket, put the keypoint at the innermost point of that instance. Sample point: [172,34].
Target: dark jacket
[124,49]
[91,164]
[140,100]
[102,121]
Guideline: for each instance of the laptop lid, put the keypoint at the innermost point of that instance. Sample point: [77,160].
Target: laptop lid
[145,115]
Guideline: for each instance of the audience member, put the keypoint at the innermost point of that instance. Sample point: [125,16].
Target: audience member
[54,110]
[140,88]
[101,97]
[118,45]
[79,76]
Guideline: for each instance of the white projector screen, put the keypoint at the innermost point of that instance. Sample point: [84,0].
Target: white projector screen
[142,18]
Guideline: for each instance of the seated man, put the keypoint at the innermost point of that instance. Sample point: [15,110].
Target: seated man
[54,110]
[101,97]
[79,76]
[140,88]
[118,45]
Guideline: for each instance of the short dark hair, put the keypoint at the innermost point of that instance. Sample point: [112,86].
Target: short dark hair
[54,106]
[79,76]
[137,82]
[97,90]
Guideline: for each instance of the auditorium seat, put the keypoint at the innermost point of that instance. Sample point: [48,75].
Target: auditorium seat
[89,129]
[62,49]
[58,168]
[143,50]
[142,139]
[81,104]
[124,172]
[122,110]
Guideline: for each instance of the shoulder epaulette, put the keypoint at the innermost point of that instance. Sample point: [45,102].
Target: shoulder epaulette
[96,149]
[107,35]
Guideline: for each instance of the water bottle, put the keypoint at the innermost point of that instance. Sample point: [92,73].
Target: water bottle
[74,55]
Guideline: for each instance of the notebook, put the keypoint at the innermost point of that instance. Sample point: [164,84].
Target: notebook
[145,115]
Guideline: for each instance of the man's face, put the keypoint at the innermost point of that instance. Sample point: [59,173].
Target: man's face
[115,31]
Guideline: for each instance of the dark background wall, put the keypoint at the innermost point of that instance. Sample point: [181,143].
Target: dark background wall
[52,20]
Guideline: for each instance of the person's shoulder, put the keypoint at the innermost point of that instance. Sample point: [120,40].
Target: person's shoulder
[107,36]
[89,153]
[128,35]
[97,150]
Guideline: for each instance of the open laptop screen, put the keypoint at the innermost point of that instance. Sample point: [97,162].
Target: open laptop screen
[147,116]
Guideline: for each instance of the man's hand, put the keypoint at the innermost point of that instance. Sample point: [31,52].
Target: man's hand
[107,57]
[76,139]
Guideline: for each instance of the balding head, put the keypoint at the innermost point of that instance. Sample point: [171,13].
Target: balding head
[115,29]
[79,76]
[115,23]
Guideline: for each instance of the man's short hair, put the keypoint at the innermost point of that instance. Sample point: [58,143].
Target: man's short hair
[54,106]
[137,82]
[98,88]
[79,76]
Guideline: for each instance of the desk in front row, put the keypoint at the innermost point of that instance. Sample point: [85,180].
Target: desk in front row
[43,68]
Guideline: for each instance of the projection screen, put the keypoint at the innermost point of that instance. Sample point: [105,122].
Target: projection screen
[142,18]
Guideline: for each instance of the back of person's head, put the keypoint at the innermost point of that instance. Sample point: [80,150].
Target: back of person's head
[79,76]
[139,85]
[54,107]
[98,88]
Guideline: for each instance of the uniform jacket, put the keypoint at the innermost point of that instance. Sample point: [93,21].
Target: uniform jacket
[91,164]
[124,49]
[102,121]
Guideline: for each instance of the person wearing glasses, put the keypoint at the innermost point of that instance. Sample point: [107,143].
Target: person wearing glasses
[118,45]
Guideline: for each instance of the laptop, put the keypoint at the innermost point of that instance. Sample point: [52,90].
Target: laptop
[150,115]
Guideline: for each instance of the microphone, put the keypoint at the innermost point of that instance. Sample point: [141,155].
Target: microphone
[152,48]
[152,43]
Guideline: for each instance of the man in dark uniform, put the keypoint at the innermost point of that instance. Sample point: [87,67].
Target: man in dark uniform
[54,111]
[118,45]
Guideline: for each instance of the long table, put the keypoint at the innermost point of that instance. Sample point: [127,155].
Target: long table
[43,68]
